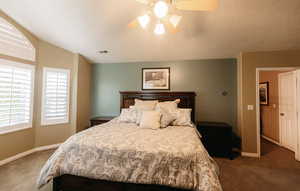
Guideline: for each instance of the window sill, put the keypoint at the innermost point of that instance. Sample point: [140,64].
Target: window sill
[54,124]
[13,130]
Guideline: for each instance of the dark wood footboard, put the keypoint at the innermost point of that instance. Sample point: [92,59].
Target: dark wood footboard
[77,183]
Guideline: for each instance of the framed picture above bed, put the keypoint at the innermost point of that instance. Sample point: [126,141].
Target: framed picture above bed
[155,78]
[264,93]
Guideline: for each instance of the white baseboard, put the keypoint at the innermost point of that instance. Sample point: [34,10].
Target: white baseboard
[271,140]
[20,155]
[23,154]
[245,154]
[48,147]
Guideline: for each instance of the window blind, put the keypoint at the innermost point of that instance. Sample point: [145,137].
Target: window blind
[14,43]
[16,95]
[55,107]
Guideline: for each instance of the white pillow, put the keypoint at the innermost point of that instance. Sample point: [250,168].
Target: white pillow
[128,116]
[183,118]
[141,105]
[145,105]
[150,120]
[168,105]
[138,112]
[168,110]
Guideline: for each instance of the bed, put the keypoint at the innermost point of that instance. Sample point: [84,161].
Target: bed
[117,156]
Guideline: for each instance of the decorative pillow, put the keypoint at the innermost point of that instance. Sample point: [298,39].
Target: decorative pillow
[167,117]
[183,118]
[150,120]
[128,116]
[145,105]
[168,105]
[168,110]
[141,106]
[139,113]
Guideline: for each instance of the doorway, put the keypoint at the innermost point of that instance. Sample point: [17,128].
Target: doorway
[277,111]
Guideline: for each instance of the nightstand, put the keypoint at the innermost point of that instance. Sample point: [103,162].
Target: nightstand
[216,138]
[100,120]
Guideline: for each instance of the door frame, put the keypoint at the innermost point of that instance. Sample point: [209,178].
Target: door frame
[297,153]
[260,69]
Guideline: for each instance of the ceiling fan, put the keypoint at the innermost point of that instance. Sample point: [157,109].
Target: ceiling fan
[162,14]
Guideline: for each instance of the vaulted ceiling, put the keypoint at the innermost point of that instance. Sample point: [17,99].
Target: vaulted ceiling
[87,26]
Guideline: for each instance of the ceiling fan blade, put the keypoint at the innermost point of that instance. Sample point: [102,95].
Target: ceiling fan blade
[196,5]
[171,28]
[143,1]
[133,24]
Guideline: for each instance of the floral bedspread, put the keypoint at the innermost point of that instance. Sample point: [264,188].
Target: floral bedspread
[120,152]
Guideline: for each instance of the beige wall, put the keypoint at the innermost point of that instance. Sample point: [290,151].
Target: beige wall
[47,56]
[239,95]
[84,94]
[248,62]
[51,56]
[16,142]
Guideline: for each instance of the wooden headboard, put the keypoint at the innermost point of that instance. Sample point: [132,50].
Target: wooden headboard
[187,99]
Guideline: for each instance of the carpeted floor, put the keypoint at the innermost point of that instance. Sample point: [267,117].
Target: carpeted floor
[276,170]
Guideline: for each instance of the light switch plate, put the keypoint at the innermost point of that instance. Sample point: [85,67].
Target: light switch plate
[250,107]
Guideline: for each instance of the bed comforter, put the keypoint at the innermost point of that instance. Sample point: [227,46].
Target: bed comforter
[122,152]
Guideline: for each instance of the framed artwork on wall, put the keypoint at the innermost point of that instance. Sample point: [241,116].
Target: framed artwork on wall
[155,78]
[264,93]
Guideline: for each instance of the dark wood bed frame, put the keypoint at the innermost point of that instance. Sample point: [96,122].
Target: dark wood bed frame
[77,183]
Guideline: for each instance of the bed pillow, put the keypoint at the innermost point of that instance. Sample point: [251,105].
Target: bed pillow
[128,116]
[168,111]
[167,117]
[150,120]
[145,105]
[168,105]
[183,118]
[138,113]
[141,106]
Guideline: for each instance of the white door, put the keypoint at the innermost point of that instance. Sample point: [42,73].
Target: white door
[288,110]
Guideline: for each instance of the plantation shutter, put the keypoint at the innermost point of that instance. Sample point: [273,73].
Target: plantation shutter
[14,43]
[55,107]
[16,95]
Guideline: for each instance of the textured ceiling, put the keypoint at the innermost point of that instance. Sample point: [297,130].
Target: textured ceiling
[87,26]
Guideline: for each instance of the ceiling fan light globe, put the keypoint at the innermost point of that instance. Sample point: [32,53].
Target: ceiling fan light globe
[175,20]
[159,29]
[144,21]
[143,1]
[161,9]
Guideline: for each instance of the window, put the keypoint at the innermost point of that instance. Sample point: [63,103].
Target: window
[16,95]
[55,100]
[14,43]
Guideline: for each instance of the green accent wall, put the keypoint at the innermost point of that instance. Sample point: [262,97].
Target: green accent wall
[208,78]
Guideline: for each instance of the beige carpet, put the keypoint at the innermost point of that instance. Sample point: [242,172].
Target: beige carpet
[21,174]
[276,170]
